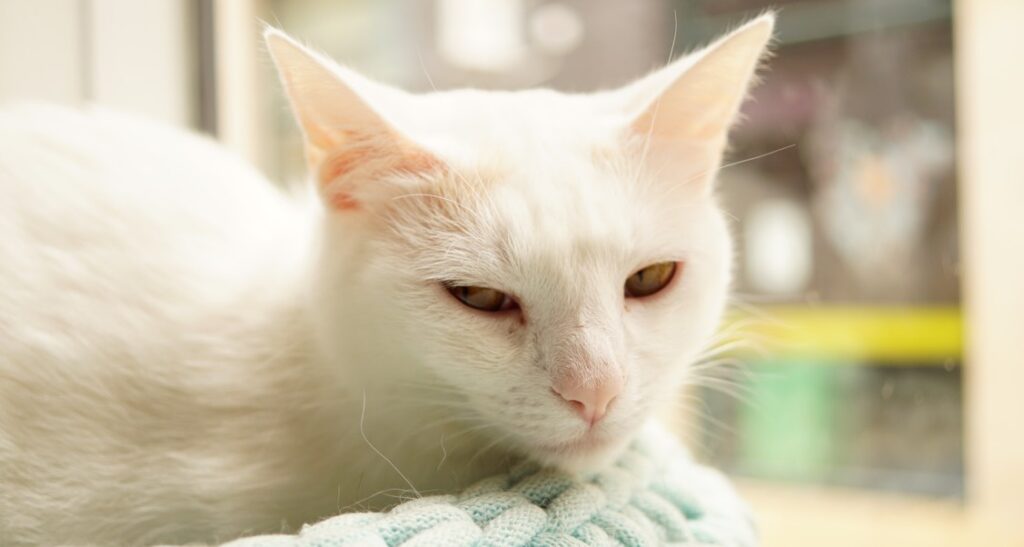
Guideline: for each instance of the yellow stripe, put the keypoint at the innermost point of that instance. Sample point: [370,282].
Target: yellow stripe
[922,335]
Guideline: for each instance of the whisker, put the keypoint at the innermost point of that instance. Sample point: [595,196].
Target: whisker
[493,444]
[725,166]
[444,454]
[362,431]
[423,67]
[657,102]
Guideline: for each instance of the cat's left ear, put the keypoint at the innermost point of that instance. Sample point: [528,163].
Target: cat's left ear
[695,100]
[349,144]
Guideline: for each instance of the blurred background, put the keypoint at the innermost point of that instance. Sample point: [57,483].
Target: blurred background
[869,391]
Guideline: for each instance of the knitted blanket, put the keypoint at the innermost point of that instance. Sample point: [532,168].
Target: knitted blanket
[653,495]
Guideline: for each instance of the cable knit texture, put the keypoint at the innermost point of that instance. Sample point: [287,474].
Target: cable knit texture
[653,495]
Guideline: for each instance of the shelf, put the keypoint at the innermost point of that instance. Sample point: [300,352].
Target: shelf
[811,21]
[924,336]
[797,516]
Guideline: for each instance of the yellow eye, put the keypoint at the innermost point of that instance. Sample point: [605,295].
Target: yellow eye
[650,279]
[482,298]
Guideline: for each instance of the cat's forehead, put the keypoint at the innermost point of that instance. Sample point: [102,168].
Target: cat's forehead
[565,198]
[541,178]
[562,214]
[510,126]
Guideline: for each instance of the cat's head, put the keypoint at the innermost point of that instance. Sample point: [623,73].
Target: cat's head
[555,261]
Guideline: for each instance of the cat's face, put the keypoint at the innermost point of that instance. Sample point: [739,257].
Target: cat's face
[549,249]
[557,261]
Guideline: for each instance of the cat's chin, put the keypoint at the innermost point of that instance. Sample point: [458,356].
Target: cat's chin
[583,455]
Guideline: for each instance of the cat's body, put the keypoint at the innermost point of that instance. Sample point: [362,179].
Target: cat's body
[189,354]
[152,335]
[159,376]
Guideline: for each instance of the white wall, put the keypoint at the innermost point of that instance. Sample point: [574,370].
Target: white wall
[130,54]
[990,117]
[41,51]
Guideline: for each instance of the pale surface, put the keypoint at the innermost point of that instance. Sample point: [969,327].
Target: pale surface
[796,516]
[990,117]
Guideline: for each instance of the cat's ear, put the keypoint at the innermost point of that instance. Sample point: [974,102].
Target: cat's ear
[696,99]
[347,141]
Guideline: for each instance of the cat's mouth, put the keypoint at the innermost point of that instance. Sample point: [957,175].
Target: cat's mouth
[584,443]
[581,453]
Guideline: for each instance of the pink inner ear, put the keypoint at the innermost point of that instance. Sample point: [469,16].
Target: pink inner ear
[342,201]
[339,165]
[345,162]
[368,162]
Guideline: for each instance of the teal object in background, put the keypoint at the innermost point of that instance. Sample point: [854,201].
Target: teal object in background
[788,429]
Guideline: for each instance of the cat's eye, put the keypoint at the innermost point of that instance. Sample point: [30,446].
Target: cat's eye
[650,280]
[482,298]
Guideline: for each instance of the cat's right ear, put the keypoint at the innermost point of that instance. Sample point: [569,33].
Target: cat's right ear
[687,108]
[347,142]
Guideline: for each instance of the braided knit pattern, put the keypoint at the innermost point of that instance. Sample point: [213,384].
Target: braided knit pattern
[653,495]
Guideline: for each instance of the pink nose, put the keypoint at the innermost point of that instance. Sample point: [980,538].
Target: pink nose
[590,400]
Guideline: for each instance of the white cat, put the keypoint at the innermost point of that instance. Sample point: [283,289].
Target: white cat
[188,354]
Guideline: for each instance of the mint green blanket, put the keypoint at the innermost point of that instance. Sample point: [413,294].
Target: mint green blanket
[653,495]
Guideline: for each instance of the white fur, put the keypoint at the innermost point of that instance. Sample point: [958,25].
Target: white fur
[188,354]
